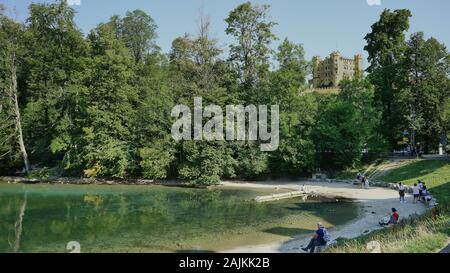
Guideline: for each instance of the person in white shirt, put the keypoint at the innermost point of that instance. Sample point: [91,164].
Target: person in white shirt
[401,192]
[420,187]
[416,193]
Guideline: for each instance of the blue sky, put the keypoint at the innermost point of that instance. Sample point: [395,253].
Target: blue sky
[320,25]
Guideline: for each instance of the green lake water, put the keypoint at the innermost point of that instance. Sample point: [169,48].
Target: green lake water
[44,218]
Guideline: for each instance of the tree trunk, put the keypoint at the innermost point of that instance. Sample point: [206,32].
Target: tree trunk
[16,111]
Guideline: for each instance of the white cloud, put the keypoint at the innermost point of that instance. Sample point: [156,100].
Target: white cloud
[374,2]
[74,2]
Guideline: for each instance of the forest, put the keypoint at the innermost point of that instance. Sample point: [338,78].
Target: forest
[98,105]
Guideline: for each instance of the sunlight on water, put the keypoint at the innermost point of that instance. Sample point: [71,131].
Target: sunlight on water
[44,218]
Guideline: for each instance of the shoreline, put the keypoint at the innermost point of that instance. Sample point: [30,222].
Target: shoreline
[374,203]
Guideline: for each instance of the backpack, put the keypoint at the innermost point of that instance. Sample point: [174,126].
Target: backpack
[385,220]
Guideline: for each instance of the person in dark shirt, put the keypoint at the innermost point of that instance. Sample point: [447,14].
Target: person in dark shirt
[317,240]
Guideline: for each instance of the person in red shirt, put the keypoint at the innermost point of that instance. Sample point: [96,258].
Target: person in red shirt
[390,219]
[394,216]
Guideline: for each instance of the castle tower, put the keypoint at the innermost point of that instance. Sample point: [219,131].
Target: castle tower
[316,71]
[358,63]
[334,68]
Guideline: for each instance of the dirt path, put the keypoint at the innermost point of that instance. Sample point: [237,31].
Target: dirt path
[385,168]
[447,248]
[375,203]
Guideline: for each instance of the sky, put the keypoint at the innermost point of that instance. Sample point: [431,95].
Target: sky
[322,26]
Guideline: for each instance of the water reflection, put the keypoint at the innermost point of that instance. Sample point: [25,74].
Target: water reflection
[134,218]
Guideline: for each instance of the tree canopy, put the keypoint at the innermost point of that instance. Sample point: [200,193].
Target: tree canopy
[99,105]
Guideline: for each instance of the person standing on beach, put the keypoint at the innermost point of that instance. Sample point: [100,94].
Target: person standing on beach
[401,192]
[420,185]
[416,193]
[362,181]
[366,182]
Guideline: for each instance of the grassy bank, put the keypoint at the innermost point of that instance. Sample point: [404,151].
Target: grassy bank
[436,175]
[419,235]
[367,168]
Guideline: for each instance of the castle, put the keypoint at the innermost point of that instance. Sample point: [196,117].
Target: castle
[328,73]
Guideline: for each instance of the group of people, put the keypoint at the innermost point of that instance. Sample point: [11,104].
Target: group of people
[420,193]
[363,180]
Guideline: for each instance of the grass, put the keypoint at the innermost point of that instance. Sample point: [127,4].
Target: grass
[419,235]
[367,168]
[435,174]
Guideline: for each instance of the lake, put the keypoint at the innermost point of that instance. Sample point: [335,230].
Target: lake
[121,218]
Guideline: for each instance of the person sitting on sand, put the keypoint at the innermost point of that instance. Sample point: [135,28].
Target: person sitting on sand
[391,220]
[320,238]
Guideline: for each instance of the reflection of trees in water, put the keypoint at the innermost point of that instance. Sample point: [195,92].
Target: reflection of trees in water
[96,200]
[15,245]
[165,219]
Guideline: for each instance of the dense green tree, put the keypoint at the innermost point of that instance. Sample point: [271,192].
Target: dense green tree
[360,93]
[12,145]
[252,31]
[51,81]
[206,162]
[386,46]
[298,110]
[111,107]
[138,31]
[428,65]
[153,121]
[197,71]
[346,126]
[249,57]
[101,105]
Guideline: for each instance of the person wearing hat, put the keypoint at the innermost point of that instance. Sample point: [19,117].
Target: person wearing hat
[319,239]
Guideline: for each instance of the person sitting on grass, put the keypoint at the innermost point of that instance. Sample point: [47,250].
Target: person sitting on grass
[390,219]
[320,238]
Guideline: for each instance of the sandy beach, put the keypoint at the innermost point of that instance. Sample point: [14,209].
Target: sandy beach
[374,203]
